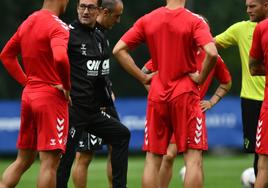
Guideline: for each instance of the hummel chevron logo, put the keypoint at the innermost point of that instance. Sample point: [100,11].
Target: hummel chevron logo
[197,140]
[260,123]
[60,122]
[145,130]
[92,136]
[146,141]
[258,137]
[60,141]
[198,134]
[259,130]
[93,141]
[258,144]
[199,121]
[60,134]
[198,127]
[60,128]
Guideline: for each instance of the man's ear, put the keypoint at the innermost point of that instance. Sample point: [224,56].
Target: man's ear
[106,11]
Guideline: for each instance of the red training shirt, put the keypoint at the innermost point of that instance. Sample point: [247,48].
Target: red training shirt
[35,39]
[172,37]
[259,51]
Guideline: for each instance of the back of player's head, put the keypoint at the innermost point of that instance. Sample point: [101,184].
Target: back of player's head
[58,4]
[110,4]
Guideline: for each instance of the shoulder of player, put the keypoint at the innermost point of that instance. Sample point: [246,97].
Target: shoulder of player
[263,23]
[55,24]
[60,23]
[51,19]
[193,17]
[152,14]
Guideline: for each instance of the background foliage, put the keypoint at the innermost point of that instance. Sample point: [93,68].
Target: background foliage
[220,14]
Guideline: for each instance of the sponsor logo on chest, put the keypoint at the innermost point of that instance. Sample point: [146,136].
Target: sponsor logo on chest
[96,67]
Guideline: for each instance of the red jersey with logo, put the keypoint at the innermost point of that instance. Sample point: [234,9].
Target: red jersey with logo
[44,109]
[34,40]
[220,72]
[172,37]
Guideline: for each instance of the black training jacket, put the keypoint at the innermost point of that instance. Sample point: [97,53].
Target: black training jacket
[88,52]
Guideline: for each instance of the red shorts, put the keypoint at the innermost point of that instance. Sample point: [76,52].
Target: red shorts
[44,120]
[173,140]
[183,116]
[262,132]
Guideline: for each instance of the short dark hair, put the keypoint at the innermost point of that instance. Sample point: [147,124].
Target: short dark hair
[110,4]
[99,3]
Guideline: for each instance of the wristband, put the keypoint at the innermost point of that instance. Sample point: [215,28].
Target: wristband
[224,88]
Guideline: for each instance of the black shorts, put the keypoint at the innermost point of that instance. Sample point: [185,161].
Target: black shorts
[90,142]
[250,116]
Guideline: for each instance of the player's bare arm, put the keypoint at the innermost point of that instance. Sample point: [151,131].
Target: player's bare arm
[146,71]
[220,92]
[122,55]
[209,61]
[256,67]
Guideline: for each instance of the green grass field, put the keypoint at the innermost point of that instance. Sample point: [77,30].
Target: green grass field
[220,172]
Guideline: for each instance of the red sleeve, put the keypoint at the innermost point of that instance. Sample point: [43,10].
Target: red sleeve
[202,33]
[149,66]
[10,61]
[222,73]
[62,65]
[59,44]
[256,50]
[134,35]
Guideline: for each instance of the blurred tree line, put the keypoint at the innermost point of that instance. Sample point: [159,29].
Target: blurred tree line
[220,14]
